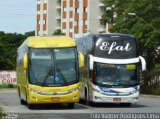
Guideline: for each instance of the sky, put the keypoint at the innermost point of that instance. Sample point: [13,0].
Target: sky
[17,16]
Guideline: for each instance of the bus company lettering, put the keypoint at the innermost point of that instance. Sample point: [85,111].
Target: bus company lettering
[106,46]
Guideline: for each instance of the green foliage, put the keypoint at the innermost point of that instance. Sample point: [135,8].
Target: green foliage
[145,24]
[9,42]
[31,33]
[7,86]
[58,32]
[2,114]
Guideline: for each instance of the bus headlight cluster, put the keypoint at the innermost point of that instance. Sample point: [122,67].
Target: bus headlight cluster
[96,90]
[133,92]
[73,90]
[54,93]
[35,91]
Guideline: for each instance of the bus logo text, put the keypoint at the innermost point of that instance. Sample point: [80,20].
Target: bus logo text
[106,46]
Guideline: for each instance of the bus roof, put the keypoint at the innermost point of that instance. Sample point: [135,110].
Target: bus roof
[107,34]
[54,41]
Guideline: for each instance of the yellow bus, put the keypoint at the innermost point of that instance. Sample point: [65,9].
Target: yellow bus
[48,71]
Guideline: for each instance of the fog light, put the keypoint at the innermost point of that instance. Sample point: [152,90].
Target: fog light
[34,98]
[75,97]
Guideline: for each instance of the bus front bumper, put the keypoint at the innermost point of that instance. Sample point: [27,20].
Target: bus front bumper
[101,98]
[34,98]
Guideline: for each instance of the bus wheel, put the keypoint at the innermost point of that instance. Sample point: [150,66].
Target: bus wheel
[86,99]
[21,100]
[31,106]
[71,105]
[126,104]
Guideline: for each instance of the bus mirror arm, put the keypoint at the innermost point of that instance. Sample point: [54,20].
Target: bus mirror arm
[143,63]
[25,61]
[81,59]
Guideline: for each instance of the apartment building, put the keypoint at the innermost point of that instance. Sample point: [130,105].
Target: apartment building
[74,17]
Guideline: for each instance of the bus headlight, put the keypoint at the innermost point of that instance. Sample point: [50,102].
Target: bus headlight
[73,90]
[35,91]
[96,90]
[133,92]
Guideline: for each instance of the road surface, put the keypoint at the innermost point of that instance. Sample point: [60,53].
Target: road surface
[9,102]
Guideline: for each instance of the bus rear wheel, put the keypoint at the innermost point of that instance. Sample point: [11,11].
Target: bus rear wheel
[71,105]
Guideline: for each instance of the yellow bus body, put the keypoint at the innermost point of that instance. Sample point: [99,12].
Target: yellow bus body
[34,94]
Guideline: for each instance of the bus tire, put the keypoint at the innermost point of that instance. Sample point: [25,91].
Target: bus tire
[86,98]
[21,100]
[30,106]
[71,105]
[126,104]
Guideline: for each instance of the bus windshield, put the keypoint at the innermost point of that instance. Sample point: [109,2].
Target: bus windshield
[53,67]
[115,74]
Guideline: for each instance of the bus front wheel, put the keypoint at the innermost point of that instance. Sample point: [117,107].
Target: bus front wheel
[71,105]
[21,100]
[86,98]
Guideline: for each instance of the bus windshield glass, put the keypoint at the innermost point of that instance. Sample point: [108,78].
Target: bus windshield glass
[115,74]
[53,67]
[115,47]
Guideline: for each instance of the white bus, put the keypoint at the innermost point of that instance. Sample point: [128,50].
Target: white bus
[112,68]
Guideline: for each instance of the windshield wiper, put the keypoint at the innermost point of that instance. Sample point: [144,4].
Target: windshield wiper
[59,72]
[46,77]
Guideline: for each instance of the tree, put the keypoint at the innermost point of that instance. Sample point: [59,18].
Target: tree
[30,33]
[145,25]
[58,32]
[9,43]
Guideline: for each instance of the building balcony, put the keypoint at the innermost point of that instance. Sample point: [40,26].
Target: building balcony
[58,17]
[99,17]
[58,27]
[64,4]
[64,14]
[76,29]
[58,7]
[76,16]
[85,3]
[76,4]
[101,5]
[102,29]
[84,27]
[85,15]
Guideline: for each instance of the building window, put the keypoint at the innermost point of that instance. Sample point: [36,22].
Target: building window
[38,32]
[45,1]
[38,21]
[44,21]
[45,11]
[84,9]
[76,10]
[84,22]
[38,12]
[77,23]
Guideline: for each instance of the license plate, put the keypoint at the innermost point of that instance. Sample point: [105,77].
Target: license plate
[55,99]
[117,99]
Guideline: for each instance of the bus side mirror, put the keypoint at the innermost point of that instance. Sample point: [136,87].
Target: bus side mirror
[81,59]
[25,61]
[143,62]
